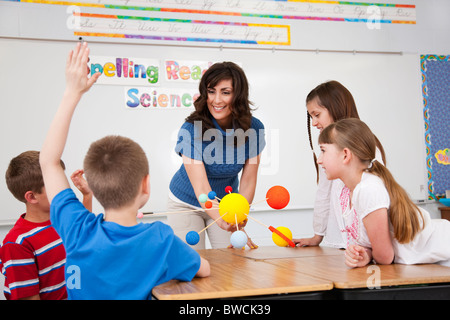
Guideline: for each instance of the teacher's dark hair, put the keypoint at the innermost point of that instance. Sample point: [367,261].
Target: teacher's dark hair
[240,108]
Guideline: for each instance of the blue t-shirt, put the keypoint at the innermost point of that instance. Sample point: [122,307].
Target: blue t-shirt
[108,261]
[223,153]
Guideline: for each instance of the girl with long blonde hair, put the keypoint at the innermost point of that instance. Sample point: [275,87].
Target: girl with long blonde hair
[326,103]
[381,221]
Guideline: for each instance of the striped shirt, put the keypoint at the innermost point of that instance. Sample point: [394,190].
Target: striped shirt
[32,261]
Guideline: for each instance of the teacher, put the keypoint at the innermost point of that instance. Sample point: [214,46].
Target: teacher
[218,140]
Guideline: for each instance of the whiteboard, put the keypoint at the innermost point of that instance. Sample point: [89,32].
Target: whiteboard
[386,88]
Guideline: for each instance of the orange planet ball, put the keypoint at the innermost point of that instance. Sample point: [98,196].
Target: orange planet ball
[277,197]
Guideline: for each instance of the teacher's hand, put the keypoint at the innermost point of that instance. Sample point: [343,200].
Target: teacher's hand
[226,226]
[250,242]
[231,227]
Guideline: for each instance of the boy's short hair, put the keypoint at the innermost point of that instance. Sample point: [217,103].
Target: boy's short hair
[114,167]
[24,174]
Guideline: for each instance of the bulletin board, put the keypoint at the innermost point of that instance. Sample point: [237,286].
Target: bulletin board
[436,99]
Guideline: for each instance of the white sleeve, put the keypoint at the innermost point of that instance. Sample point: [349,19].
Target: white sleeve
[369,197]
[322,204]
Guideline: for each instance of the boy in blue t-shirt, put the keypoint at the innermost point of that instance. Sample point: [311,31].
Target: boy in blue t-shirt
[110,255]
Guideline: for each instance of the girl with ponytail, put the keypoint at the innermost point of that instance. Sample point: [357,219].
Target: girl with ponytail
[380,220]
[328,102]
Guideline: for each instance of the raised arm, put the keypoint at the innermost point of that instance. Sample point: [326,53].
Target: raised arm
[77,83]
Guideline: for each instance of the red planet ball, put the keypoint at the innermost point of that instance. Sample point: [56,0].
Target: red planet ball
[208,204]
[277,197]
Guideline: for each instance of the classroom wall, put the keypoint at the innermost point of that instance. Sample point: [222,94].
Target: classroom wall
[428,36]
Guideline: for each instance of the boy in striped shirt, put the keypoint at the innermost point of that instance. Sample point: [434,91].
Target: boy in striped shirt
[32,254]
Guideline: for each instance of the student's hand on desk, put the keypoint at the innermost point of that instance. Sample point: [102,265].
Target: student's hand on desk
[308,242]
[357,256]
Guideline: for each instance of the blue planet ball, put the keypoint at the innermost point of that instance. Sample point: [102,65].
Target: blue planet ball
[238,239]
[212,195]
[192,238]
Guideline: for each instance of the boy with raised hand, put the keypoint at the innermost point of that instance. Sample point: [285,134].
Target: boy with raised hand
[110,255]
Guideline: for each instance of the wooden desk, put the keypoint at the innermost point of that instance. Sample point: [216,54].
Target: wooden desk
[395,281]
[235,276]
[333,268]
[266,253]
[271,271]
[445,212]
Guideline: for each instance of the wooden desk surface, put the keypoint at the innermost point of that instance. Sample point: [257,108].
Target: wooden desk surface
[266,253]
[235,276]
[274,270]
[333,268]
